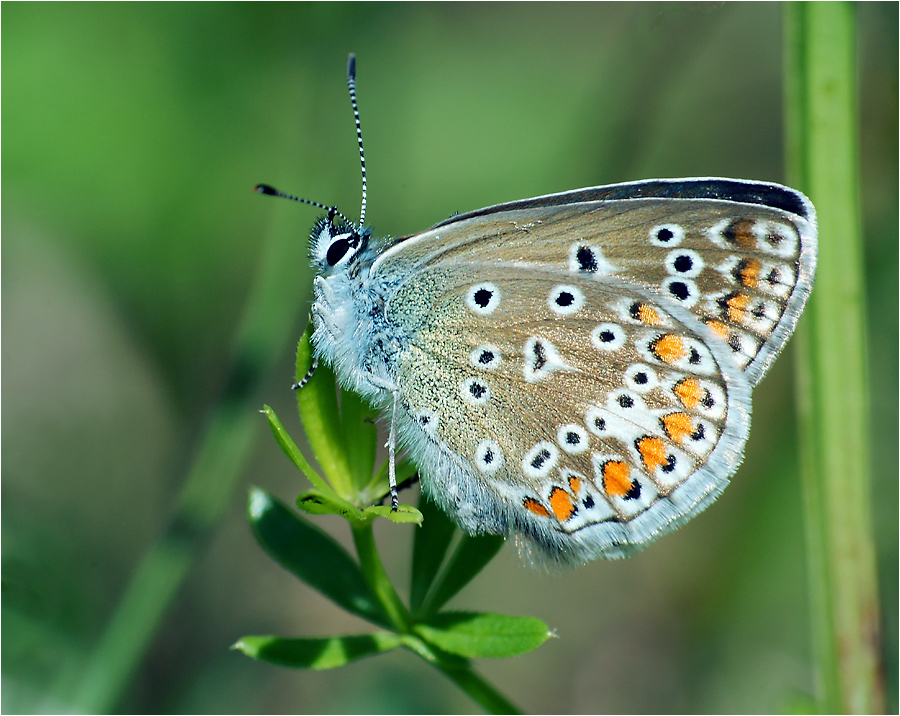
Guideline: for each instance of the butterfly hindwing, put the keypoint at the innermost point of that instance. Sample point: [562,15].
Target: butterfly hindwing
[577,410]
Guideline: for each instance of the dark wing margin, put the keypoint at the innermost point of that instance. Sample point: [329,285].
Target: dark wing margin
[747,192]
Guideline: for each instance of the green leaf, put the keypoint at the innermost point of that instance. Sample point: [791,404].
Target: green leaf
[318,654]
[313,556]
[318,503]
[429,548]
[315,502]
[432,654]
[471,634]
[317,403]
[404,514]
[360,437]
[470,556]
[292,451]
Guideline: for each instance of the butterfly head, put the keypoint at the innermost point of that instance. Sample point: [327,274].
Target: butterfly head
[334,240]
[334,243]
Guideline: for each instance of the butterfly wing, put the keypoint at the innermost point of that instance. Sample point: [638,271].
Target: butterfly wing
[579,411]
[739,255]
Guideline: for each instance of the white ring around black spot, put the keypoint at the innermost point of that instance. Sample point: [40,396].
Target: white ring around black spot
[774,237]
[608,337]
[684,262]
[541,359]
[698,358]
[597,421]
[565,300]
[483,298]
[540,460]
[586,259]
[712,404]
[486,357]
[667,235]
[625,401]
[427,420]
[572,438]
[488,456]
[475,391]
[741,343]
[766,311]
[641,378]
[683,290]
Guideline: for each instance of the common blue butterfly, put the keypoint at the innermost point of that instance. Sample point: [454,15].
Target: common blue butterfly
[573,369]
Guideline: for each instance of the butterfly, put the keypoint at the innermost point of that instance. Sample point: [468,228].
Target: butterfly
[575,369]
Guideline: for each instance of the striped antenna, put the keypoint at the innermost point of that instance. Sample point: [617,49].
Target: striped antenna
[351,85]
[272,191]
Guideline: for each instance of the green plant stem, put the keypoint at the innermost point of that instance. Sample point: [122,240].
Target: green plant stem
[220,459]
[377,578]
[480,690]
[821,108]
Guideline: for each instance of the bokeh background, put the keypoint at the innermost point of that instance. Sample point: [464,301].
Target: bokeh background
[133,134]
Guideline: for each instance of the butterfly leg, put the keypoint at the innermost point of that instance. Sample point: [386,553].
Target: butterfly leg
[390,386]
[309,374]
[392,452]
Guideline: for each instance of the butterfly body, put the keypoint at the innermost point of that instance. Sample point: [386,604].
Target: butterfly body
[574,369]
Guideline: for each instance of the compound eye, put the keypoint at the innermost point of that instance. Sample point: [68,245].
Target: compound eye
[337,251]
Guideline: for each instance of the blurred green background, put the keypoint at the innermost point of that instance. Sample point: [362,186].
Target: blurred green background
[133,135]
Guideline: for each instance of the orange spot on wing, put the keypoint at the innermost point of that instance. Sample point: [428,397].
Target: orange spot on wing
[740,232]
[668,348]
[677,426]
[689,392]
[736,307]
[653,452]
[719,328]
[648,315]
[747,272]
[536,507]
[575,484]
[617,478]
[562,504]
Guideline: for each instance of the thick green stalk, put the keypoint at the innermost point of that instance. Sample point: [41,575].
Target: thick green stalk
[480,691]
[377,578]
[822,134]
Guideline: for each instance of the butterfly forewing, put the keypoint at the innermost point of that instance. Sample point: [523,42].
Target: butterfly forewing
[742,267]
[574,409]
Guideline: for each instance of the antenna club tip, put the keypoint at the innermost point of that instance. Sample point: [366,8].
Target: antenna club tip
[351,66]
[265,189]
